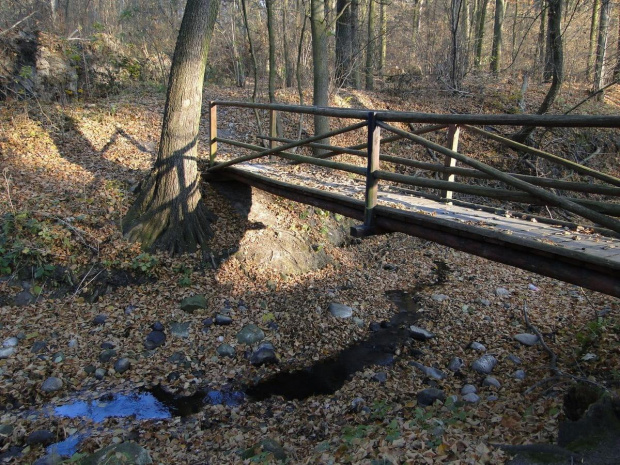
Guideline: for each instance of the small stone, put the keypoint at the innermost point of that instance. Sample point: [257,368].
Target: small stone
[374,326]
[357,404]
[5,431]
[273,326]
[100,373]
[502,292]
[439,297]
[340,311]
[491,381]
[107,345]
[263,356]
[477,347]
[73,343]
[468,389]
[89,369]
[52,384]
[250,335]
[485,364]
[429,371]
[122,365]
[157,326]
[6,352]
[223,320]
[266,345]
[180,330]
[519,374]
[527,339]
[58,357]
[173,376]
[533,287]
[129,309]
[589,357]
[41,436]
[492,398]
[100,319]
[471,398]
[358,322]
[154,340]
[38,347]
[193,303]
[107,355]
[428,396]
[10,342]
[420,334]
[456,364]
[272,447]
[177,357]
[380,377]
[514,359]
[225,350]
[485,302]
[207,322]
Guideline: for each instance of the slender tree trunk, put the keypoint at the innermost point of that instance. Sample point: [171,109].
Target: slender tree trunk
[356,52]
[601,48]
[271,33]
[168,212]
[382,35]
[455,48]
[254,65]
[496,51]
[554,14]
[617,68]
[416,19]
[549,64]
[289,69]
[481,17]
[344,43]
[319,28]
[542,35]
[370,47]
[596,11]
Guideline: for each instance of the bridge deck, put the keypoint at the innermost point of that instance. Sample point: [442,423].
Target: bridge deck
[576,255]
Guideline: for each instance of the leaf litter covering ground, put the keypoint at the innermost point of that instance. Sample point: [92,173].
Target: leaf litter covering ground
[76,164]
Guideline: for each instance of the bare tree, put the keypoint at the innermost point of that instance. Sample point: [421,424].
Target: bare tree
[496,51]
[168,212]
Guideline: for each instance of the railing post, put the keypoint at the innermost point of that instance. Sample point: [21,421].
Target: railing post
[372,182]
[273,130]
[212,132]
[453,144]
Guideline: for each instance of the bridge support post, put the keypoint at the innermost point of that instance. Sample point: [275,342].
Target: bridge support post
[372,182]
[449,162]
[273,130]
[212,132]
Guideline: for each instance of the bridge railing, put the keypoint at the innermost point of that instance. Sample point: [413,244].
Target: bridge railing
[520,188]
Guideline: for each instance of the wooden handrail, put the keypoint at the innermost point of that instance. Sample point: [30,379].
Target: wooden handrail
[549,156]
[598,121]
[542,194]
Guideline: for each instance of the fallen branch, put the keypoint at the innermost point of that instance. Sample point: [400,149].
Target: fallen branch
[16,24]
[593,94]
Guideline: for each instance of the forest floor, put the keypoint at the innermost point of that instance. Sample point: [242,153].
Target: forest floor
[72,289]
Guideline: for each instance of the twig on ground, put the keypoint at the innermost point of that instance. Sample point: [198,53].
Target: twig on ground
[8,190]
[78,233]
[558,374]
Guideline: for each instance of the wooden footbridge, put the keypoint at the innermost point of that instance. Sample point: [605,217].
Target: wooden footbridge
[474,207]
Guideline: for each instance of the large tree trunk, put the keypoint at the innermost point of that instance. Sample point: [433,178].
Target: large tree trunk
[496,51]
[289,68]
[319,28]
[168,213]
[416,19]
